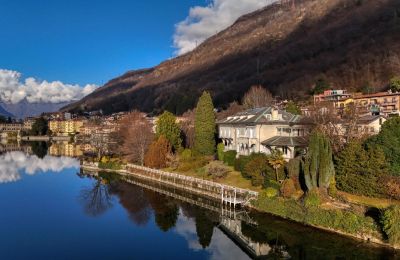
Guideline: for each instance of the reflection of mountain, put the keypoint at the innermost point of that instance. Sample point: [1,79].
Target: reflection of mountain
[12,164]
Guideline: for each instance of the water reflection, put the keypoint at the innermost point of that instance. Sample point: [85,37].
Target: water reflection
[13,164]
[227,236]
[96,199]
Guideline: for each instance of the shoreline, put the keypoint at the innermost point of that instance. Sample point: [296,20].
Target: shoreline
[364,238]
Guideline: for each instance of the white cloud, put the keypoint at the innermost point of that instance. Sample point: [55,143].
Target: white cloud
[13,90]
[13,163]
[204,22]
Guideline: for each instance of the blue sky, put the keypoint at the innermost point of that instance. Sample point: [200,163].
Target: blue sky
[87,41]
[59,51]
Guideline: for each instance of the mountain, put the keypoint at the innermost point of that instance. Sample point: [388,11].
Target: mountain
[5,113]
[284,47]
[25,109]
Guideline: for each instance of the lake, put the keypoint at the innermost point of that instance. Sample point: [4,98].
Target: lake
[50,209]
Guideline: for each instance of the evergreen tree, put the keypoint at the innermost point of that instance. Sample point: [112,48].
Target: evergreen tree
[40,127]
[318,168]
[395,84]
[388,140]
[166,126]
[291,107]
[204,139]
[359,170]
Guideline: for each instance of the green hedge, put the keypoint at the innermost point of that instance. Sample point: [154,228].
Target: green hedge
[110,165]
[391,224]
[229,158]
[340,220]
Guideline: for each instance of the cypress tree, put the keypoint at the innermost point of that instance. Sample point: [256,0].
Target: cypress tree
[204,139]
[318,165]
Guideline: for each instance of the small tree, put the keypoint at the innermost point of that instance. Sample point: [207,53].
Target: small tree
[157,155]
[293,108]
[204,126]
[166,126]
[220,151]
[256,97]
[40,127]
[277,161]
[395,84]
[391,224]
[318,168]
[136,134]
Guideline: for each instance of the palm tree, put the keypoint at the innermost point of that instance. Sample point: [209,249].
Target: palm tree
[276,160]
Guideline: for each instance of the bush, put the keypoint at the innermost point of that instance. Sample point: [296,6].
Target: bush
[186,155]
[217,171]
[111,165]
[195,162]
[270,192]
[220,151]
[392,186]
[288,189]
[256,169]
[229,158]
[312,199]
[391,224]
[272,183]
[345,221]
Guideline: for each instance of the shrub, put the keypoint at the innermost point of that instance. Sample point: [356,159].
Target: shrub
[111,165]
[195,162]
[391,224]
[157,154]
[217,171]
[220,151]
[272,183]
[229,158]
[392,187]
[257,169]
[186,155]
[288,189]
[312,199]
[270,192]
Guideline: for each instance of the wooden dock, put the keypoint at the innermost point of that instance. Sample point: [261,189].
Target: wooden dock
[229,195]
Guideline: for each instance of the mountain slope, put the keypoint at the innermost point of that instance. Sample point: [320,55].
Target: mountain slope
[25,109]
[350,42]
[5,113]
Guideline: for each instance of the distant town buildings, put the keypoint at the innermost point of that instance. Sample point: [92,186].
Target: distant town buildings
[66,127]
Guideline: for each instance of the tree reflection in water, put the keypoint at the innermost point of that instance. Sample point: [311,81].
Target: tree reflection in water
[166,210]
[97,198]
[39,149]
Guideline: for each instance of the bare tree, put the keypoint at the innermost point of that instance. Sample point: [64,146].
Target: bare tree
[233,109]
[137,135]
[187,127]
[96,199]
[256,97]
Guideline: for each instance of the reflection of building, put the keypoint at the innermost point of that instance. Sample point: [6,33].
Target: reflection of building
[264,129]
[65,149]
[15,147]
[65,126]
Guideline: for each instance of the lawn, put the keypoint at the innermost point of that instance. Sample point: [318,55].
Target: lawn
[367,201]
[233,177]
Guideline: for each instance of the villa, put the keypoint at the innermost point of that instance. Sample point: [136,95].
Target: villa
[261,130]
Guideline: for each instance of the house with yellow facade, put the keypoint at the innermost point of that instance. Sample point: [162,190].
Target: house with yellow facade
[66,127]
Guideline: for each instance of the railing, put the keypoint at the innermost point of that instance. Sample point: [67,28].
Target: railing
[228,194]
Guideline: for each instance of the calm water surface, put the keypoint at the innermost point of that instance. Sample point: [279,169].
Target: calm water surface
[51,210]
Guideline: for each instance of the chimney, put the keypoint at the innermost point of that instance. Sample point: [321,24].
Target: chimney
[274,114]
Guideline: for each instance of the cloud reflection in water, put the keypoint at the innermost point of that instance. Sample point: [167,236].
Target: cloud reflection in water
[13,163]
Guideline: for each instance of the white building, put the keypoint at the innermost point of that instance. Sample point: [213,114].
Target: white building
[264,129]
